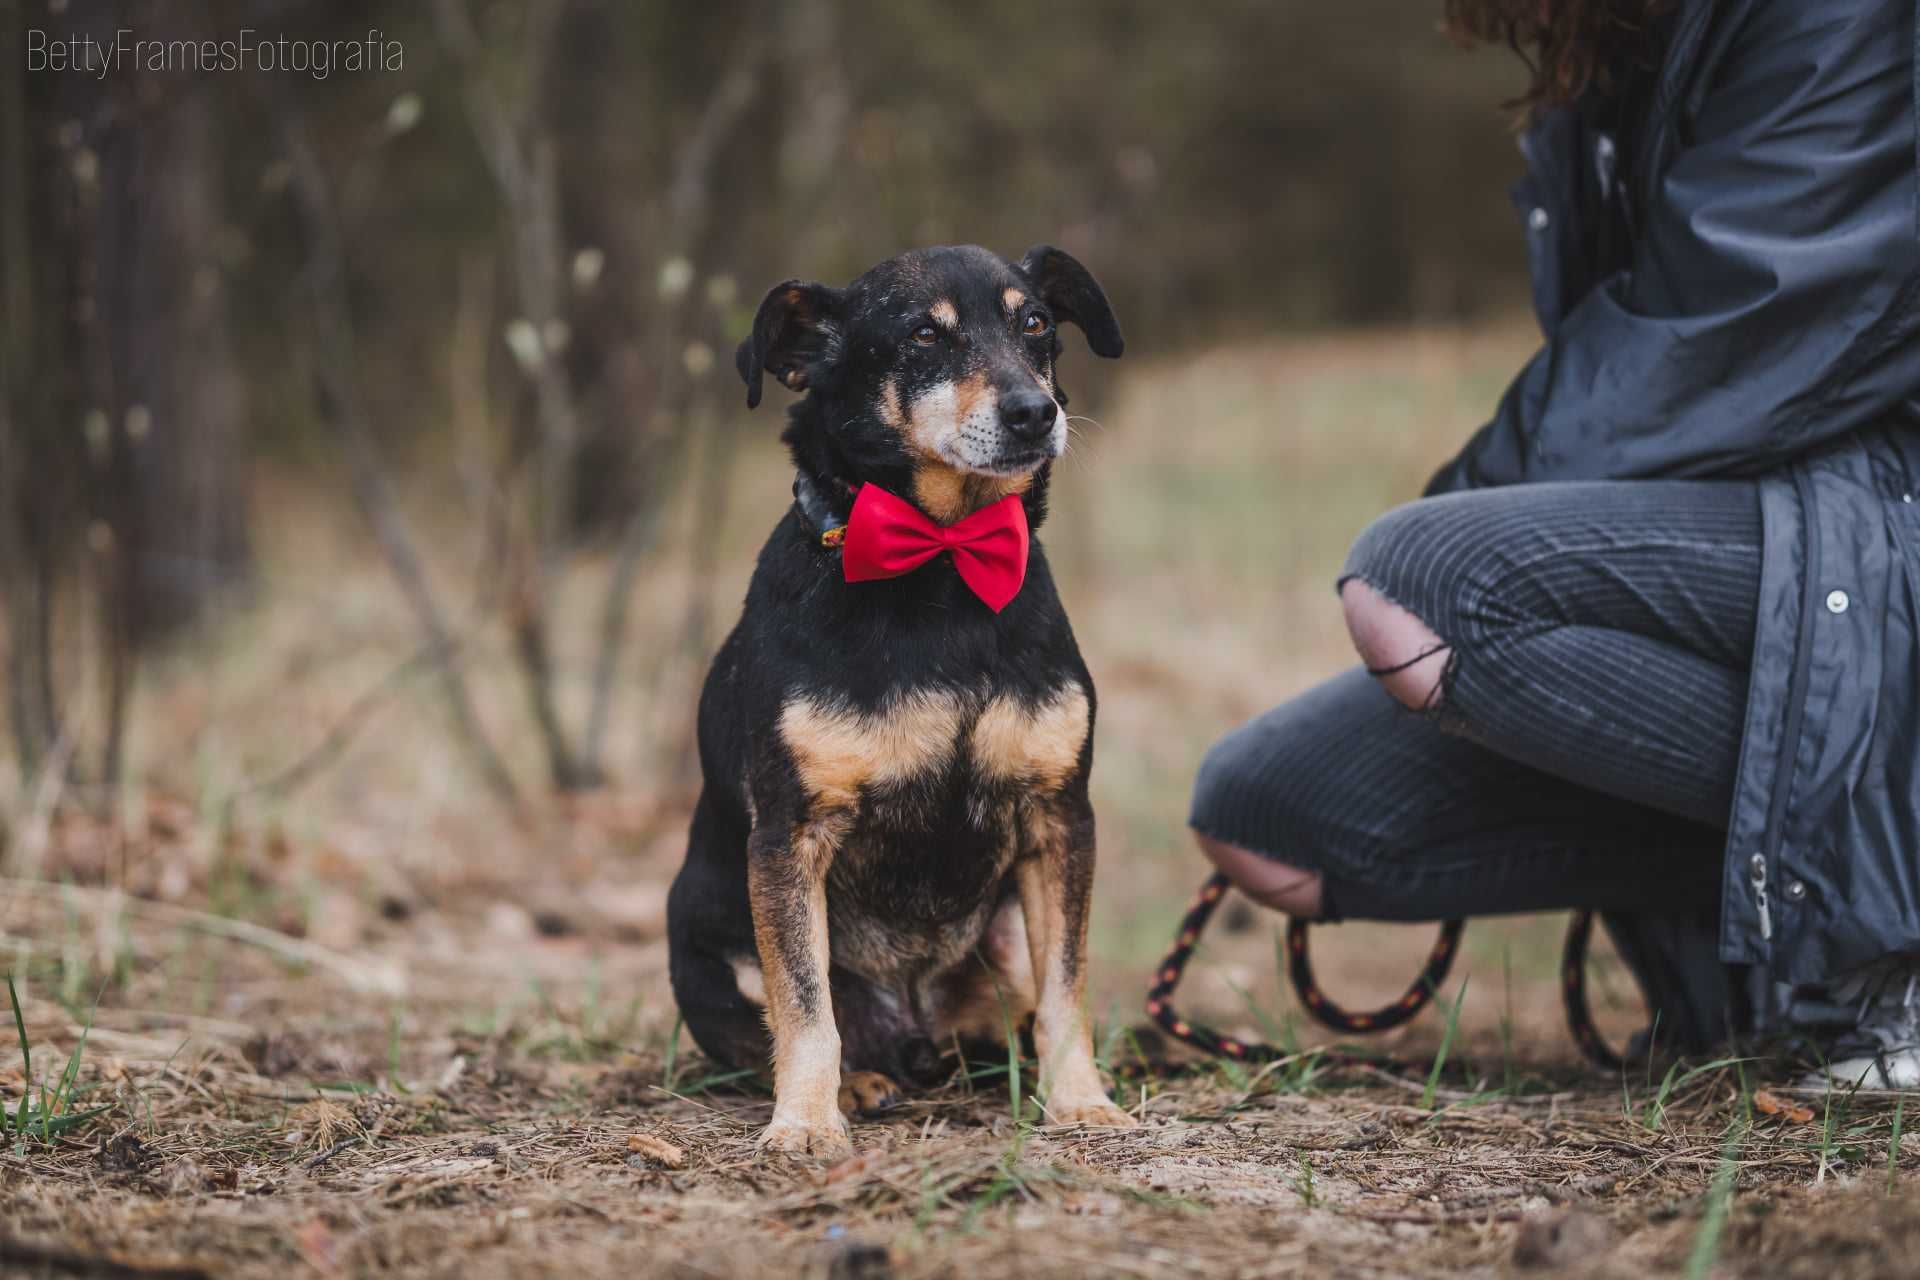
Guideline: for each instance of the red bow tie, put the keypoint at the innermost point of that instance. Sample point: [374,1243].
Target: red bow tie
[887,536]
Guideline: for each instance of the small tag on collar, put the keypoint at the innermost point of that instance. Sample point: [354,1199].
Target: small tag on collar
[814,509]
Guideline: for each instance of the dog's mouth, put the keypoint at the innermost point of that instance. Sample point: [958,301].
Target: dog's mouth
[1002,459]
[1010,464]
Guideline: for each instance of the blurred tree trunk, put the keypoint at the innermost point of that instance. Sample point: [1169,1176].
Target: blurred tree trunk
[121,468]
[24,543]
[182,409]
[45,481]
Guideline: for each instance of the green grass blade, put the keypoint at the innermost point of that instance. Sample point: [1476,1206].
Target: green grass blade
[63,1092]
[1446,1045]
[26,1057]
[1269,1029]
[673,1050]
[1893,1147]
[713,1080]
[1013,1072]
[1676,1080]
[1706,1241]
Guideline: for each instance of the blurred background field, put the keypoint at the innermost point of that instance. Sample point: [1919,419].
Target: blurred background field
[375,484]
[378,483]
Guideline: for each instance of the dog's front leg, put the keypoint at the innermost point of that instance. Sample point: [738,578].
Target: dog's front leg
[1055,878]
[787,886]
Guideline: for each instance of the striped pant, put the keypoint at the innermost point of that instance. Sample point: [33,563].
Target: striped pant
[1583,747]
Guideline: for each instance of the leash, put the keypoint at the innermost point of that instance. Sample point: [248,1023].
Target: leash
[1573,982]
[1573,995]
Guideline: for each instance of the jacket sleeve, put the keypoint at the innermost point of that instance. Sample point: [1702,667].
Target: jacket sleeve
[1771,298]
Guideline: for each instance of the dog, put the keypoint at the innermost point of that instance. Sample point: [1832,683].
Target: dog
[893,849]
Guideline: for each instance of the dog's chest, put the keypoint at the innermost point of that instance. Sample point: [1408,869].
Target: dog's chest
[918,746]
[923,793]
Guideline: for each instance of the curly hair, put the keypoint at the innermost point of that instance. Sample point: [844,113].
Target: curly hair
[1570,45]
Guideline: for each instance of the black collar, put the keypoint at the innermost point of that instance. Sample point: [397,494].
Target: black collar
[817,512]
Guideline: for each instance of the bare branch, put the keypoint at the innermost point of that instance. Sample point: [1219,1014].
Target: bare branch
[635,538]
[383,977]
[688,198]
[289,778]
[520,155]
[691,190]
[343,412]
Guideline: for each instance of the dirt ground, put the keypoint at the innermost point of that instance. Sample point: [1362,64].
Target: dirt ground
[376,1026]
[290,1117]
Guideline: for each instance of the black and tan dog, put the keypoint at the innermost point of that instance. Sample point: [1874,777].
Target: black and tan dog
[893,850]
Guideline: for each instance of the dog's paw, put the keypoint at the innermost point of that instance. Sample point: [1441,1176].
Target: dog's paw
[825,1140]
[1099,1114]
[865,1093]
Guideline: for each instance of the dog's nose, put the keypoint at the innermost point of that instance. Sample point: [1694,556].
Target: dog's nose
[1027,415]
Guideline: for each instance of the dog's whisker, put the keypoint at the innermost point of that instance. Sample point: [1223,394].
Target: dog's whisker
[1079,443]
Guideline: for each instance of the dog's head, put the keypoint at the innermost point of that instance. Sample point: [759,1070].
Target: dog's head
[936,367]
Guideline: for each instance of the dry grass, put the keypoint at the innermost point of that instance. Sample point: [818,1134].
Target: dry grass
[378,1027]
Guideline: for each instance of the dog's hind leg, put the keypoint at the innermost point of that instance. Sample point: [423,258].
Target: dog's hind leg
[727,997]
[723,1002]
[989,995]
[881,1042]
[867,1093]
[710,947]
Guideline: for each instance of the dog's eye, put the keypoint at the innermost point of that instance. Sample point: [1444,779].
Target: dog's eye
[926,335]
[1035,325]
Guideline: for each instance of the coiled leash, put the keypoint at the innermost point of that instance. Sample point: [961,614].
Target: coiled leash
[1573,995]
[1573,982]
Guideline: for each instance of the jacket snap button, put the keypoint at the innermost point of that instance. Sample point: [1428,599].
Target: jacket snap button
[1797,890]
[1837,602]
[1539,220]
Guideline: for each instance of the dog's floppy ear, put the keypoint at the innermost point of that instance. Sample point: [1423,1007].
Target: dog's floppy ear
[794,332]
[1075,295]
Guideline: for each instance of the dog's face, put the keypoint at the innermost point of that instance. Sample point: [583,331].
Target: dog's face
[939,362]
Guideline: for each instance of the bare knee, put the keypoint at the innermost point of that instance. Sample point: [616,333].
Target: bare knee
[1271,884]
[1407,657]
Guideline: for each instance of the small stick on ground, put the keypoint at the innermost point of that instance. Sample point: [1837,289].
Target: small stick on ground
[334,1150]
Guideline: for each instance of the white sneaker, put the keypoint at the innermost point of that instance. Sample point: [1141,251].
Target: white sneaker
[1883,1050]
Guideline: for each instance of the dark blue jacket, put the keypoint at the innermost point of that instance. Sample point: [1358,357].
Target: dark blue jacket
[1727,269]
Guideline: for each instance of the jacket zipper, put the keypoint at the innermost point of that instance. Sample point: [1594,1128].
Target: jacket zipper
[1689,32]
[1759,864]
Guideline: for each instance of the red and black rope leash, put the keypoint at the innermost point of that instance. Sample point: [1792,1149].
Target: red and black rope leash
[1573,979]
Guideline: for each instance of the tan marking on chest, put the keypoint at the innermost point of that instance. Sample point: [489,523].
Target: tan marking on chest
[838,750]
[1037,741]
